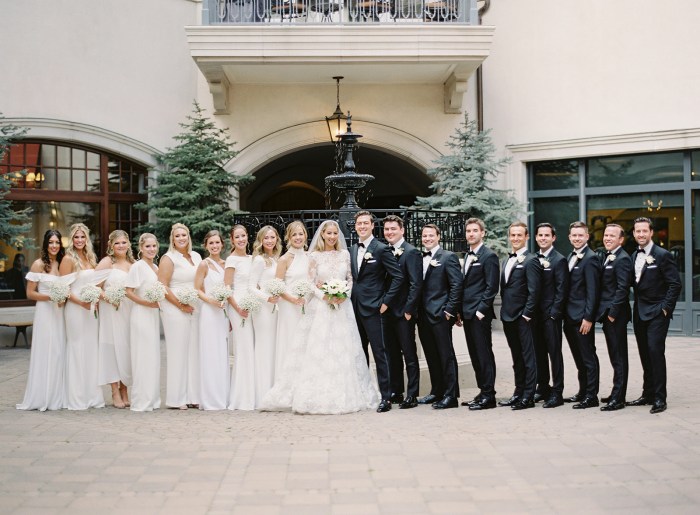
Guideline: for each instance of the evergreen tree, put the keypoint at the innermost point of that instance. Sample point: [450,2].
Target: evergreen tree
[193,188]
[464,182]
[14,224]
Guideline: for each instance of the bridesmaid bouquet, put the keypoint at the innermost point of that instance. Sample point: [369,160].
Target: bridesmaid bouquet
[187,295]
[336,288]
[221,293]
[58,292]
[302,289]
[90,293]
[155,292]
[275,287]
[115,294]
[250,303]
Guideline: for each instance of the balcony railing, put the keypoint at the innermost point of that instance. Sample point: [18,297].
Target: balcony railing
[244,12]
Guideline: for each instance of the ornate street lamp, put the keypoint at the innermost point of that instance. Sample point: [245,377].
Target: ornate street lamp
[335,121]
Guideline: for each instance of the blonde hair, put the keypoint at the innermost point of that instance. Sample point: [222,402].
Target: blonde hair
[142,240]
[174,228]
[296,224]
[321,244]
[110,245]
[258,249]
[211,234]
[89,252]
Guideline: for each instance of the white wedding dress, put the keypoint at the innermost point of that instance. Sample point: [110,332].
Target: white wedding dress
[325,371]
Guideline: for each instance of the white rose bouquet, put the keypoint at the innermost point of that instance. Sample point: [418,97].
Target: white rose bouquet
[337,288]
[155,292]
[250,303]
[90,293]
[302,289]
[187,295]
[58,292]
[115,294]
[275,287]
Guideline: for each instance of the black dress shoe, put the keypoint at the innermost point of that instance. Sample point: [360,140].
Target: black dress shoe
[523,404]
[642,401]
[613,405]
[606,400]
[658,407]
[409,402]
[553,402]
[588,402]
[384,406]
[514,399]
[475,400]
[428,399]
[539,397]
[574,398]
[447,402]
[396,398]
[484,403]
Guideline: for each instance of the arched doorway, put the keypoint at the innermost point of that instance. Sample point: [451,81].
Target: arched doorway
[296,180]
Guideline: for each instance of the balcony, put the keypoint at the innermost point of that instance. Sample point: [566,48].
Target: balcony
[368,41]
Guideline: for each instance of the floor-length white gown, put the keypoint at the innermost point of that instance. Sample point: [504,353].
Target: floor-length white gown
[265,326]
[290,314]
[215,371]
[242,394]
[45,386]
[144,331]
[114,354]
[181,337]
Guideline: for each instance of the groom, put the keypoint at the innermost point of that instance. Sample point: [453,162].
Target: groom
[376,282]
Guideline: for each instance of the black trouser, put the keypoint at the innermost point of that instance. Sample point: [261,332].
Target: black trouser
[583,349]
[480,346]
[436,339]
[616,340]
[372,334]
[548,340]
[522,350]
[651,341]
[400,338]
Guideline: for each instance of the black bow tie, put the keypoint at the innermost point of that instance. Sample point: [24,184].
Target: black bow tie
[361,245]
[608,253]
[540,255]
[512,254]
[641,250]
[392,248]
[427,253]
[471,253]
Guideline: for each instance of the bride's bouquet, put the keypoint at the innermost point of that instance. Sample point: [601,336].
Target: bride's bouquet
[336,288]
[115,294]
[301,289]
[187,295]
[58,292]
[275,287]
[155,292]
[221,293]
[90,293]
[250,303]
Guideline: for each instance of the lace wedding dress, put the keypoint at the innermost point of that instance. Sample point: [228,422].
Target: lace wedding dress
[325,371]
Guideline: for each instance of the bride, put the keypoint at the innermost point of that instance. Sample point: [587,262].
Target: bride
[325,371]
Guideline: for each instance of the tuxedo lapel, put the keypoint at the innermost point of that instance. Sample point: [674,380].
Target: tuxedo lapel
[353,261]
[369,250]
[435,257]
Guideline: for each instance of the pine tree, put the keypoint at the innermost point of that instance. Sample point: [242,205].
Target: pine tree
[194,188]
[14,224]
[464,182]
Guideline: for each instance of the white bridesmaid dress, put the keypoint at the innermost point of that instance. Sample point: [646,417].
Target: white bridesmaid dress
[181,337]
[144,331]
[45,382]
[114,354]
[214,372]
[242,395]
[264,325]
[82,390]
[290,314]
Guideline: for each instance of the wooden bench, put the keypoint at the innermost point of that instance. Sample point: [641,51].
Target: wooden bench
[20,318]
[20,328]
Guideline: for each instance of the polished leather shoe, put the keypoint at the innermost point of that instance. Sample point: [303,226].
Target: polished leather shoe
[447,402]
[484,403]
[588,402]
[523,404]
[658,407]
[553,402]
[428,399]
[642,401]
[514,399]
[613,405]
[396,398]
[539,397]
[574,398]
[384,406]
[408,403]
[606,400]
[475,400]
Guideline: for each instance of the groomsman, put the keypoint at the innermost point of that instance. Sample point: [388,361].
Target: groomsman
[614,311]
[584,290]
[657,286]
[439,307]
[521,280]
[376,283]
[400,320]
[479,289]
[548,321]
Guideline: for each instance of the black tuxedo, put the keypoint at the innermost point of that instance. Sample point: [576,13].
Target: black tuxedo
[400,334]
[657,291]
[442,293]
[369,292]
[584,291]
[548,324]
[520,295]
[616,279]
[479,289]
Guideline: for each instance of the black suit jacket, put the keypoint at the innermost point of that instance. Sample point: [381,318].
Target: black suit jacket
[584,287]
[480,284]
[555,285]
[659,285]
[442,287]
[410,261]
[615,283]
[521,293]
[368,288]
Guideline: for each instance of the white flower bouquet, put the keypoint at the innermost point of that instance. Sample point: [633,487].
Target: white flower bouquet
[275,287]
[90,293]
[187,295]
[301,289]
[336,288]
[115,294]
[221,293]
[250,303]
[155,292]
[58,292]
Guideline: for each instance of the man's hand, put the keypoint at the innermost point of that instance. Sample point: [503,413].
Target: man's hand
[585,327]
[383,308]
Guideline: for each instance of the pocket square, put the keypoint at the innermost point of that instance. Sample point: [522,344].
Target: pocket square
[519,266]
[475,264]
[651,266]
[371,261]
[608,267]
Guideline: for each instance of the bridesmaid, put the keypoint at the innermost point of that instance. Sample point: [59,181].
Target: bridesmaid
[45,386]
[144,328]
[292,268]
[180,321]
[237,271]
[266,252]
[114,356]
[214,371]
[82,390]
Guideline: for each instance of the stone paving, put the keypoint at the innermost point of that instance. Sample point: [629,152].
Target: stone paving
[413,461]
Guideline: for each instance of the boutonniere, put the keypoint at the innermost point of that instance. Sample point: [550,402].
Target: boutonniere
[544,263]
[650,260]
[368,256]
[472,258]
[434,262]
[612,257]
[398,252]
[521,258]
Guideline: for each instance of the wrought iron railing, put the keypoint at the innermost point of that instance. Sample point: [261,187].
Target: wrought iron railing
[234,12]
[451,224]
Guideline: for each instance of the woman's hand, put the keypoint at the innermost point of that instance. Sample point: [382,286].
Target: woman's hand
[186,309]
